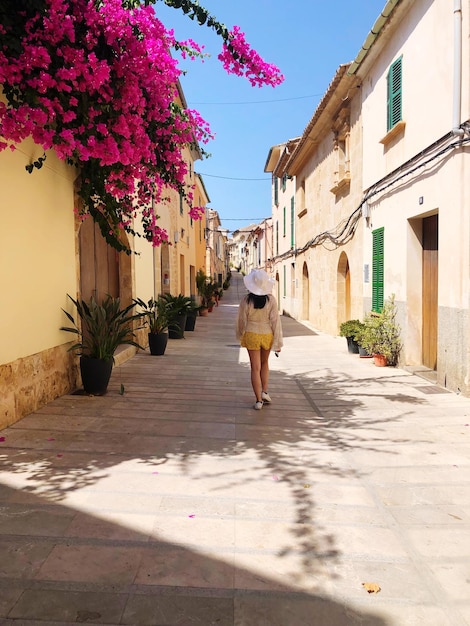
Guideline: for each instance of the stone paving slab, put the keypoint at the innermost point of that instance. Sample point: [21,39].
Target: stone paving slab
[175,503]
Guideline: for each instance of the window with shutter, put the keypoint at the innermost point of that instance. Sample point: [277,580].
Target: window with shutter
[292,222]
[276,191]
[394,94]
[284,222]
[378,270]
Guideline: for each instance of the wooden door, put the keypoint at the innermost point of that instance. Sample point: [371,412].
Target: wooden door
[99,264]
[430,299]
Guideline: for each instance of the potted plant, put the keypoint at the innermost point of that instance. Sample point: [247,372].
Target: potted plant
[381,334]
[351,329]
[192,315]
[201,285]
[178,308]
[102,328]
[154,313]
[209,294]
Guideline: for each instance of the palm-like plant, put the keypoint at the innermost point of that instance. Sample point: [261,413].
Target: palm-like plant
[103,327]
[154,313]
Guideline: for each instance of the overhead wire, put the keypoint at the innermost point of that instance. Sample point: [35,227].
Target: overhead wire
[350,224]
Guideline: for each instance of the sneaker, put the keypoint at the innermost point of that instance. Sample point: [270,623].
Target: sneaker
[266,397]
[258,405]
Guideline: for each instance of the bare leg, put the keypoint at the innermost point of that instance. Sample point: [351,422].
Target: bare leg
[264,373]
[255,363]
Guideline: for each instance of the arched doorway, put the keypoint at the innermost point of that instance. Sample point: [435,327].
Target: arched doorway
[343,289]
[305,293]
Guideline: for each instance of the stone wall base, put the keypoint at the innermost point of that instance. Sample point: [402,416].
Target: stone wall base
[33,381]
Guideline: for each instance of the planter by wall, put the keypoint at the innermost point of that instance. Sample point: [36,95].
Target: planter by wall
[95,374]
[380,360]
[364,354]
[353,346]
[158,343]
[178,324]
[191,321]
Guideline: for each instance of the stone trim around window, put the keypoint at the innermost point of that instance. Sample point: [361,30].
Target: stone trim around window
[398,129]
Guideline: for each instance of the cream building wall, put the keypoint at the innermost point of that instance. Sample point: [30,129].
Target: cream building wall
[421,171]
[327,165]
[283,207]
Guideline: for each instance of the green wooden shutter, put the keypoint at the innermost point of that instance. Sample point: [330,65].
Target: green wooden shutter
[277,238]
[284,222]
[394,94]
[285,281]
[292,223]
[378,270]
[276,190]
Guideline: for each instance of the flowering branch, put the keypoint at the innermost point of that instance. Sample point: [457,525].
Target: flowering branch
[95,81]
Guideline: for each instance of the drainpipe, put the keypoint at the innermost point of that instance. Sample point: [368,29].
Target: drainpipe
[456,130]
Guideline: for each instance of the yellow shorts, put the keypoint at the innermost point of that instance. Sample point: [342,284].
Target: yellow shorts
[256,341]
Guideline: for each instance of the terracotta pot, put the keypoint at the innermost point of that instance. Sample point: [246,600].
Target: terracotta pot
[380,360]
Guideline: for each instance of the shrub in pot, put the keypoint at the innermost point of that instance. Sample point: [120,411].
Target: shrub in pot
[154,314]
[381,333]
[100,329]
[192,315]
[178,308]
[351,329]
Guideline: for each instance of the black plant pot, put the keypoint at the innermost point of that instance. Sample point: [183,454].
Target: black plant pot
[95,374]
[176,330]
[364,354]
[353,346]
[191,321]
[157,343]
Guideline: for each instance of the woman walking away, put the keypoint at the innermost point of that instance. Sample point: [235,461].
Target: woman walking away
[259,330]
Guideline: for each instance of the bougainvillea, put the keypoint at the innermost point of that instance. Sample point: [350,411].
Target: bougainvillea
[95,80]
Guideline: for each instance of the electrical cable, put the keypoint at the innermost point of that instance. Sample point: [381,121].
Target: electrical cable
[347,232]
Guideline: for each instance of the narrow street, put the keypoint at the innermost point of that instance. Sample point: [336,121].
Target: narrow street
[170,501]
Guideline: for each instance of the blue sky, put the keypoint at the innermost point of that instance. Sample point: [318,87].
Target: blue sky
[307,40]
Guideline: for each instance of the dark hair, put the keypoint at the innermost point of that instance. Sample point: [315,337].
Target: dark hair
[258,302]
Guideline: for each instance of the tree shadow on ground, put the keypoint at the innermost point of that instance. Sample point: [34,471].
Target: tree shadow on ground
[189,414]
[61,566]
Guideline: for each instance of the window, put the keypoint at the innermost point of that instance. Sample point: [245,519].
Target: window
[284,182]
[284,222]
[181,203]
[292,222]
[394,94]
[377,270]
[277,237]
[301,203]
[284,281]
[276,190]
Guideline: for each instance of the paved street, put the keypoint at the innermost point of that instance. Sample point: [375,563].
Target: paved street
[175,503]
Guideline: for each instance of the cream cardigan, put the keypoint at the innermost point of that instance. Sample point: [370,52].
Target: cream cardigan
[264,321]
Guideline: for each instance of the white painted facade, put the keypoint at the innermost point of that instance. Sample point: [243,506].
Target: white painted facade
[419,172]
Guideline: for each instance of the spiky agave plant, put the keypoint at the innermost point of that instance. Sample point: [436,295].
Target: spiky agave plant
[103,327]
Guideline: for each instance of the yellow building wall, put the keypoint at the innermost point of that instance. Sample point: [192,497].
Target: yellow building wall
[37,270]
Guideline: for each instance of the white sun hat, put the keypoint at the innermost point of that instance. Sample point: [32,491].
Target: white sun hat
[259,283]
